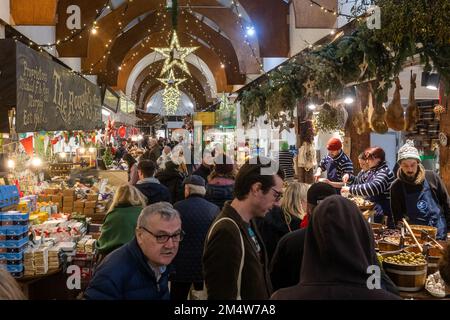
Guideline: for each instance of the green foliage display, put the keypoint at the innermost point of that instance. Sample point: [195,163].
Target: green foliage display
[408,28]
[107,157]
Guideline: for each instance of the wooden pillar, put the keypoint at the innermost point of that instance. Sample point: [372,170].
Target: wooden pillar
[444,152]
[303,175]
[358,143]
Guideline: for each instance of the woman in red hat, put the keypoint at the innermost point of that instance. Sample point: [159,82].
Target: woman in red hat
[336,164]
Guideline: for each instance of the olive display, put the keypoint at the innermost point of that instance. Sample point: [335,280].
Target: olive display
[407,258]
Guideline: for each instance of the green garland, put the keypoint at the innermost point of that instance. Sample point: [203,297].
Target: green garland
[407,28]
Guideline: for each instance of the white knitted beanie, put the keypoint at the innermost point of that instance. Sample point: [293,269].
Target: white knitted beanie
[408,151]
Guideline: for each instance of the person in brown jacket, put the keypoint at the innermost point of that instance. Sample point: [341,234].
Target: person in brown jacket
[235,261]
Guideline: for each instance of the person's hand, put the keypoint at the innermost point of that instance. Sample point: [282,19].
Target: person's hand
[345,191]
[317,175]
[345,178]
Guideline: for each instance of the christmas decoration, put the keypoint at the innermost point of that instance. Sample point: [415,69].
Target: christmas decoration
[309,86]
[175,55]
[107,157]
[171,94]
[122,131]
[359,56]
[283,123]
[438,110]
[27,144]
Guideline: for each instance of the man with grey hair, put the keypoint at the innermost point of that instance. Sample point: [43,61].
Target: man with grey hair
[153,152]
[138,270]
[197,214]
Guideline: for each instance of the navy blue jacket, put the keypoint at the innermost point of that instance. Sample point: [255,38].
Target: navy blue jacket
[154,192]
[197,214]
[126,275]
[219,194]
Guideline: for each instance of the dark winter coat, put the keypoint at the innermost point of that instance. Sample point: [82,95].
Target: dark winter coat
[126,275]
[222,258]
[287,260]
[154,191]
[336,256]
[202,171]
[197,214]
[273,227]
[152,154]
[219,193]
[173,180]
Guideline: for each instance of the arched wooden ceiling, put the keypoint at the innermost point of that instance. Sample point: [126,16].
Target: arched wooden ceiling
[138,53]
[150,86]
[269,17]
[152,72]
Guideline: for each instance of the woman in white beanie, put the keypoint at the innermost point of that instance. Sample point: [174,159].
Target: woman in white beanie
[419,195]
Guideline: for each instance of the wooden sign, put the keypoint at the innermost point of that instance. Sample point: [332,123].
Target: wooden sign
[207,118]
[46,95]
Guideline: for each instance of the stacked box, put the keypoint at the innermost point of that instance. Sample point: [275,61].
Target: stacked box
[69,193]
[30,268]
[41,260]
[9,195]
[53,258]
[13,240]
[92,197]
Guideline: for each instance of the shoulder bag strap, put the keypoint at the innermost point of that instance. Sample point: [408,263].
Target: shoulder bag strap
[239,280]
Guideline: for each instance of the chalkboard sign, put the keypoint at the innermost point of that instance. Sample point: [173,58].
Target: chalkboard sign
[48,96]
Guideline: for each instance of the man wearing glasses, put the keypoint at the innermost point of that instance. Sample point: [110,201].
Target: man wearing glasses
[235,262]
[138,270]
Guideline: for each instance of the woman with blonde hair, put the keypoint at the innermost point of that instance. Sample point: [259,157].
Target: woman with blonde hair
[120,221]
[294,202]
[284,217]
[9,289]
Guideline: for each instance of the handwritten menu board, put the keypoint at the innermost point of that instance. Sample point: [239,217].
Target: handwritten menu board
[49,97]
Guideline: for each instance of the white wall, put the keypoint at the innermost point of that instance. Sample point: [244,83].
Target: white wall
[4,10]
[73,63]
[420,92]
[40,35]
[271,63]
[301,37]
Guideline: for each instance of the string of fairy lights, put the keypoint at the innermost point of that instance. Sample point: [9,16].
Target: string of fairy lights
[204,37]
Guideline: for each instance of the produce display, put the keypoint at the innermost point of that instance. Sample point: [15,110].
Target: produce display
[407,258]
[435,285]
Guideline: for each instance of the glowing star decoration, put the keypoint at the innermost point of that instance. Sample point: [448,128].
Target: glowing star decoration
[175,55]
[171,94]
[171,98]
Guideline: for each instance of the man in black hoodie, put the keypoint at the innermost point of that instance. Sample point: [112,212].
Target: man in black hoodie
[339,249]
[287,259]
[150,186]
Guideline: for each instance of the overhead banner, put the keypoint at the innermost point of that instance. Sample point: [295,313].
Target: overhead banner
[47,95]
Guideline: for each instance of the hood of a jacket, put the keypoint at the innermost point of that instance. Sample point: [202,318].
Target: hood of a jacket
[339,245]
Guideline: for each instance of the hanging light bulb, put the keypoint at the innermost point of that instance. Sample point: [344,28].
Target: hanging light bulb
[36,162]
[11,164]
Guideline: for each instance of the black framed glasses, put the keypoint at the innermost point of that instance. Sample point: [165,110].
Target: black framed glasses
[163,238]
[278,194]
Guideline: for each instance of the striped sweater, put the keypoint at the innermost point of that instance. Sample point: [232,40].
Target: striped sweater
[378,181]
[286,161]
[343,165]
